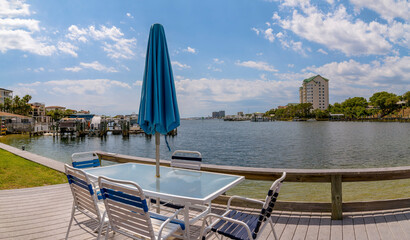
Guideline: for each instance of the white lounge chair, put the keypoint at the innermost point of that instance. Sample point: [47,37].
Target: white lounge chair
[243,226]
[128,212]
[85,160]
[84,198]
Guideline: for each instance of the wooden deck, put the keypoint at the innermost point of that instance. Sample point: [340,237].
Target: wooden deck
[44,213]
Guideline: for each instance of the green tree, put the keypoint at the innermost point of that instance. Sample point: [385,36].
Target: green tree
[385,101]
[406,97]
[56,114]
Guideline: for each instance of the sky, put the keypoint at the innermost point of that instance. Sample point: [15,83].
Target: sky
[232,55]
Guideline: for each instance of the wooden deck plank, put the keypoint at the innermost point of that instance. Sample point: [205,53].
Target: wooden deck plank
[382,227]
[324,227]
[348,229]
[359,227]
[314,225]
[404,223]
[336,230]
[302,227]
[290,228]
[22,218]
[394,225]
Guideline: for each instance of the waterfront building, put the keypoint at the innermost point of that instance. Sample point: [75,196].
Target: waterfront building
[86,116]
[4,93]
[38,113]
[220,114]
[315,90]
[53,108]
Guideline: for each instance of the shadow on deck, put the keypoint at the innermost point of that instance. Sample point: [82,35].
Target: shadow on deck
[44,213]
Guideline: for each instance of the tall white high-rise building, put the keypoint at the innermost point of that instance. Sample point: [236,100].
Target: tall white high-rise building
[315,90]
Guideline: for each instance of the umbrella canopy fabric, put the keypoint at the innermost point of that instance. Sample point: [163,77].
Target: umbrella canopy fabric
[158,110]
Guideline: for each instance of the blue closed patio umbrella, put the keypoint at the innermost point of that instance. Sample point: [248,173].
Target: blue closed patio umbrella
[158,112]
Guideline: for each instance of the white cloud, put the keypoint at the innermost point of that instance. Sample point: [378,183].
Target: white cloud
[17,23]
[190,50]
[390,71]
[24,41]
[68,48]
[40,69]
[268,33]
[14,8]
[388,9]
[129,15]
[180,65]
[257,31]
[73,69]
[322,51]
[215,69]
[92,65]
[218,61]
[98,66]
[291,65]
[257,65]
[95,86]
[19,34]
[336,30]
[137,83]
[208,93]
[112,38]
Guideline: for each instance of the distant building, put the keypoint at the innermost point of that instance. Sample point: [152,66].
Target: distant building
[38,112]
[240,114]
[4,93]
[282,107]
[53,108]
[315,90]
[87,117]
[220,114]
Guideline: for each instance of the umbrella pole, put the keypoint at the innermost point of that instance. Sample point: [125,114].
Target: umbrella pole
[157,141]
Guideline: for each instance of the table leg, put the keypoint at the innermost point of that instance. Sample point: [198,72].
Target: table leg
[186,219]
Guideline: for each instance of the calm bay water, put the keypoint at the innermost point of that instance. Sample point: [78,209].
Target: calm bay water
[266,144]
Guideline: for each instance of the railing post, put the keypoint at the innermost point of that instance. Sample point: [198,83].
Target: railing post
[336,188]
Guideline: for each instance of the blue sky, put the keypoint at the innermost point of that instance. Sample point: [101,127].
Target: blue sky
[234,55]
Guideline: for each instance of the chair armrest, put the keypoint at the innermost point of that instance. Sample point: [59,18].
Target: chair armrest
[225,219]
[243,199]
[166,222]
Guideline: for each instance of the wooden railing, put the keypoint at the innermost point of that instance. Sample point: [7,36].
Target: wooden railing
[334,176]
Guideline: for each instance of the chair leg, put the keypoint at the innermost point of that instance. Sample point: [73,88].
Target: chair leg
[71,221]
[108,231]
[273,229]
[101,226]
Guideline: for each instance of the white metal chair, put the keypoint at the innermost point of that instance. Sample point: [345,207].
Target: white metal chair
[128,212]
[243,226]
[186,159]
[84,198]
[85,160]
[182,159]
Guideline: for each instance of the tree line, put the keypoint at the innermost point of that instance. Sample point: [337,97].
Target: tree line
[21,106]
[380,104]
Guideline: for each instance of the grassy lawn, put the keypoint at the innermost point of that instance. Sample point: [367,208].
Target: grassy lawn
[17,172]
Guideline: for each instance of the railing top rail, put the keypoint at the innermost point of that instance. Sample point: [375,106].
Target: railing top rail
[293,175]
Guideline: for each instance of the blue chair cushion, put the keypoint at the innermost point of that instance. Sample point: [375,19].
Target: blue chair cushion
[164,218]
[233,230]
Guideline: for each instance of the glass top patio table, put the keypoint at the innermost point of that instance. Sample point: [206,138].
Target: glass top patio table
[196,187]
